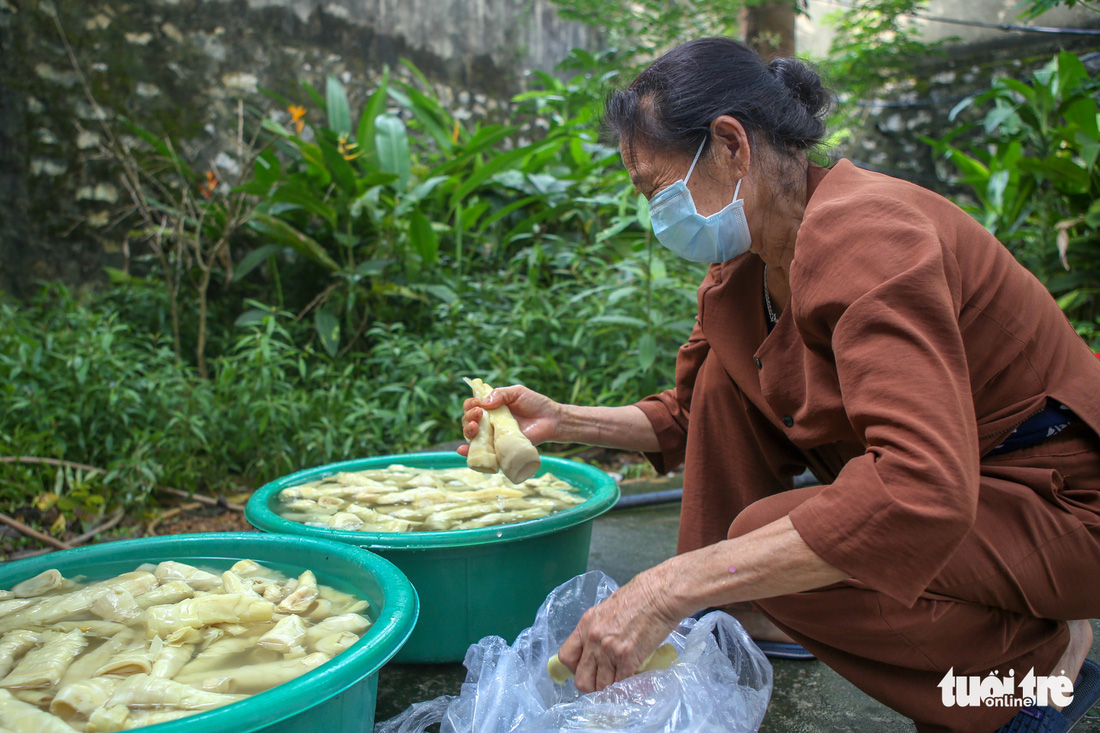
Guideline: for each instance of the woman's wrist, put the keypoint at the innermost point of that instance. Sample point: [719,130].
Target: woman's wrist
[676,596]
[567,425]
[621,428]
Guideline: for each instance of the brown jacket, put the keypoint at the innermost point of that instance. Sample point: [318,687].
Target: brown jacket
[912,344]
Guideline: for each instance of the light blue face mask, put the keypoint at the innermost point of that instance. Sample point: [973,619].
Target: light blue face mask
[678,226]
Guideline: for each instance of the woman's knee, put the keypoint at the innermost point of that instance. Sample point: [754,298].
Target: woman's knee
[765,511]
[758,514]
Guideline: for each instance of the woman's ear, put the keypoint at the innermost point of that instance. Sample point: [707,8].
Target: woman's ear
[731,142]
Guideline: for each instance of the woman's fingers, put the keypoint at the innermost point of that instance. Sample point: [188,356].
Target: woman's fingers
[470,421]
[605,673]
[614,637]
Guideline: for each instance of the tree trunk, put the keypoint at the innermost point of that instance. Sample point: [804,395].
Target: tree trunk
[769,27]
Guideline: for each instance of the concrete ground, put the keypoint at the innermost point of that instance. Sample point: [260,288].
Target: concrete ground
[808,696]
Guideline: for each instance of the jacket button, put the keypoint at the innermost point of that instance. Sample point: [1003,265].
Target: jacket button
[788,421]
[759,364]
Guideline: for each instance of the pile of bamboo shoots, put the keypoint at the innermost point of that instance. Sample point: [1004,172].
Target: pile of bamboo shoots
[161,643]
[403,499]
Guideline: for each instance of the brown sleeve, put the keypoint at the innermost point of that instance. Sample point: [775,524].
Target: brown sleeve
[878,289]
[668,411]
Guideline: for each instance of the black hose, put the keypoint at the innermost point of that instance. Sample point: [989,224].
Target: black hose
[653,498]
[656,498]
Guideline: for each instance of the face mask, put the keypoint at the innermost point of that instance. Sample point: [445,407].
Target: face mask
[678,226]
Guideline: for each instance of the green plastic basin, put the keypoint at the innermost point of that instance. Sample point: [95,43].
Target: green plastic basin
[471,582]
[339,695]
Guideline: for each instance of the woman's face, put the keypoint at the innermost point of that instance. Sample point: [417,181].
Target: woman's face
[652,170]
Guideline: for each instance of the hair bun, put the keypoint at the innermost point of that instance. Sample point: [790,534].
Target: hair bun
[803,83]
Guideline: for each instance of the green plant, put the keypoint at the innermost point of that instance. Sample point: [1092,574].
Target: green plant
[875,44]
[1033,169]
[1035,8]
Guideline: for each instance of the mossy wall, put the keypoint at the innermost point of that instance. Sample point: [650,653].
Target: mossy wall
[182,67]
[887,133]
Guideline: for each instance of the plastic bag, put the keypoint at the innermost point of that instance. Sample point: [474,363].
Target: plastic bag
[722,682]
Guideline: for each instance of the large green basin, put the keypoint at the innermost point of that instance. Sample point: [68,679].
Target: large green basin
[471,582]
[337,696]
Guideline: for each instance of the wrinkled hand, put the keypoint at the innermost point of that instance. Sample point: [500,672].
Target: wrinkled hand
[537,415]
[614,637]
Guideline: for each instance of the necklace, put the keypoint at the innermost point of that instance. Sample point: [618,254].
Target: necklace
[768,299]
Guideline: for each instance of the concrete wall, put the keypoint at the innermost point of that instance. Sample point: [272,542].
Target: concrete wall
[887,134]
[814,34]
[179,67]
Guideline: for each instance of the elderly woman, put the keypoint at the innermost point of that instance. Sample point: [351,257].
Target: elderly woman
[869,330]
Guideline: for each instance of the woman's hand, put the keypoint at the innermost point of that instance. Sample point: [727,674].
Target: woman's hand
[538,416]
[615,637]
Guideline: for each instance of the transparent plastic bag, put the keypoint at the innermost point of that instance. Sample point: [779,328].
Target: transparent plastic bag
[722,681]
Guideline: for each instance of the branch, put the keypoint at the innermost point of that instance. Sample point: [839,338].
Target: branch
[31,532]
[81,539]
[33,460]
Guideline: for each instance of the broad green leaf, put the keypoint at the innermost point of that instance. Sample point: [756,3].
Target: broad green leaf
[304,197]
[283,233]
[423,238]
[277,128]
[1062,172]
[434,119]
[486,136]
[251,317]
[1071,72]
[253,259]
[506,210]
[336,104]
[328,330]
[995,191]
[117,276]
[619,225]
[437,290]
[392,141]
[267,169]
[315,159]
[619,293]
[1082,113]
[424,188]
[647,351]
[375,106]
[373,266]
[997,116]
[1025,91]
[958,108]
[471,215]
[480,175]
[1092,216]
[619,320]
[338,166]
